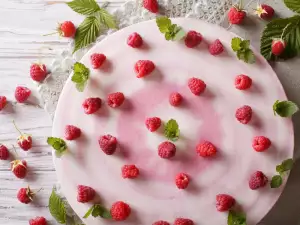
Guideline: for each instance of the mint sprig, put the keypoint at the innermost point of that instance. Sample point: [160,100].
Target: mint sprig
[281,169]
[58,144]
[171,31]
[171,130]
[285,108]
[236,218]
[98,210]
[80,76]
[57,208]
[242,49]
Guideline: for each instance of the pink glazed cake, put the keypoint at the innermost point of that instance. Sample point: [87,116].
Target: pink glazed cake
[153,195]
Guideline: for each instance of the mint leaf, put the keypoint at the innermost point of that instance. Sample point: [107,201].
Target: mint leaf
[286,165]
[285,108]
[172,130]
[89,212]
[84,7]
[80,76]
[179,35]
[276,181]
[98,210]
[58,144]
[249,56]
[236,218]
[163,24]
[171,31]
[243,52]
[293,5]
[106,19]
[245,44]
[87,32]
[235,44]
[57,208]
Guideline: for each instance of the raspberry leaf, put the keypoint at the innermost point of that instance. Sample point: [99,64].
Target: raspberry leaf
[98,211]
[106,19]
[276,181]
[57,208]
[84,7]
[58,144]
[285,108]
[172,130]
[80,76]
[293,5]
[236,218]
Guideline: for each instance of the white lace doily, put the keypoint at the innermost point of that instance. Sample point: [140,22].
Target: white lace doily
[131,12]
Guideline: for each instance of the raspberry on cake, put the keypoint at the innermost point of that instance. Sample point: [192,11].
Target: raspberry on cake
[192,39]
[224,202]
[143,68]
[206,149]
[135,40]
[97,60]
[72,132]
[166,150]
[120,211]
[175,99]
[216,48]
[91,105]
[244,114]
[161,222]
[115,100]
[183,221]
[257,180]
[108,144]
[196,85]
[182,180]
[85,193]
[243,82]
[261,143]
[153,123]
[130,171]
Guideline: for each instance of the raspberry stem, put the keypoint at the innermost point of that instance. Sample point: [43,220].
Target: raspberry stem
[17,128]
[50,34]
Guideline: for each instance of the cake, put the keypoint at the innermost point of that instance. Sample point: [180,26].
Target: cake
[153,195]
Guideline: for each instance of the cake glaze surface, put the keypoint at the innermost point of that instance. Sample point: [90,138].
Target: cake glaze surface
[211,116]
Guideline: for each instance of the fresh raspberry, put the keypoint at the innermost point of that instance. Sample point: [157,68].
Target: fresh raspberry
[261,143]
[22,94]
[244,114]
[115,100]
[182,180]
[25,195]
[24,140]
[143,68]
[91,105]
[206,149]
[85,193]
[257,180]
[4,153]
[243,82]
[183,221]
[224,202]
[38,72]
[175,99]
[19,168]
[97,60]
[278,46]
[161,222]
[192,39]
[216,48]
[3,102]
[130,171]
[135,40]
[151,5]
[66,29]
[120,211]
[166,150]
[264,11]
[196,85]
[38,221]
[153,123]
[236,15]
[72,132]
[108,144]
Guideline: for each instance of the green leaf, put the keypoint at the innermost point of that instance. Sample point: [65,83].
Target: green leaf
[235,44]
[285,108]
[289,30]
[287,164]
[87,32]
[163,24]
[57,208]
[84,7]
[98,210]
[58,144]
[172,130]
[80,76]
[249,56]
[236,218]
[77,78]
[179,35]
[89,212]
[276,181]
[106,19]
[293,5]
[245,44]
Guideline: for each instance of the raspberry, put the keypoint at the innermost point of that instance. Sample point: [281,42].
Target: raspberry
[91,105]
[130,171]
[115,100]
[3,102]
[135,40]
[192,39]
[183,221]
[243,82]
[24,140]
[161,222]
[143,68]
[206,149]
[66,29]
[38,221]
[108,144]
[120,211]
[196,85]
[25,195]
[38,72]
[244,114]
[264,11]
[97,60]
[4,153]
[257,180]
[182,180]
[153,123]
[72,132]
[261,143]
[278,46]
[216,47]
[19,168]
[224,202]
[151,5]
[175,99]
[236,15]
[166,150]
[22,94]
[85,193]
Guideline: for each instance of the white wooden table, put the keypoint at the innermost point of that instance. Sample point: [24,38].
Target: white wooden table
[22,24]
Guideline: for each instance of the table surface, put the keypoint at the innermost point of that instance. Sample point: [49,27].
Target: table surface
[22,25]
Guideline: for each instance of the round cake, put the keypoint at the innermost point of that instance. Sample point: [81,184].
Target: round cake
[207,122]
